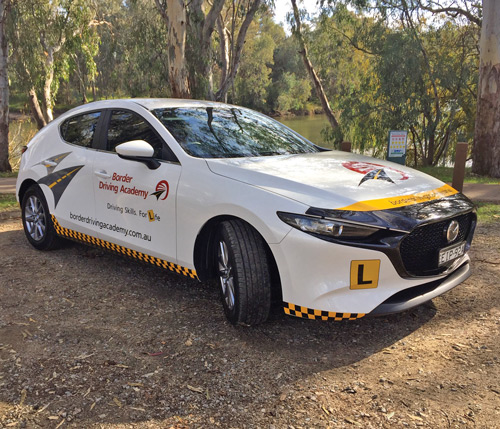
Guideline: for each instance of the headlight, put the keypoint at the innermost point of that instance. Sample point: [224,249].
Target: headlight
[326,227]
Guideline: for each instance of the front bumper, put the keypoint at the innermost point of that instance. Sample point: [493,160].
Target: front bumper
[318,282]
[418,295]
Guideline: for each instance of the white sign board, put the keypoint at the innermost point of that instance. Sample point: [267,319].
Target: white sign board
[397,143]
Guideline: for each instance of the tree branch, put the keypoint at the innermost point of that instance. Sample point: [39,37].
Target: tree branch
[453,11]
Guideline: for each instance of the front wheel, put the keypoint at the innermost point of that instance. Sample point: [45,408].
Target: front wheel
[243,272]
[37,223]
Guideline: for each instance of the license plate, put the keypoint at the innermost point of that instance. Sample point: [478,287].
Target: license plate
[450,253]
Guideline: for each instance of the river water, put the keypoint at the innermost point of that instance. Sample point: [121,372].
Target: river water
[309,126]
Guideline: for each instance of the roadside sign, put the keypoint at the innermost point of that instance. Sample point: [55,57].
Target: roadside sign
[396,150]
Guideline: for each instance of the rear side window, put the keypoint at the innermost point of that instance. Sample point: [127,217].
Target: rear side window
[80,129]
[125,126]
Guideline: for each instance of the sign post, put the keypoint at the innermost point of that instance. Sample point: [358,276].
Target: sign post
[396,150]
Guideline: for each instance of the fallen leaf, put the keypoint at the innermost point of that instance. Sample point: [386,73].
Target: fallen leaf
[189,343]
[60,424]
[23,397]
[84,356]
[92,406]
[43,408]
[390,415]
[195,389]
[420,419]
[446,357]
[136,384]
[68,300]
[117,402]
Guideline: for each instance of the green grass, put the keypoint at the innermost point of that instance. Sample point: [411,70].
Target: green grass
[4,174]
[445,174]
[488,212]
[7,202]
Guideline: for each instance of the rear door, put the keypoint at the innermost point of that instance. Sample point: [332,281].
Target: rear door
[69,180]
[135,205]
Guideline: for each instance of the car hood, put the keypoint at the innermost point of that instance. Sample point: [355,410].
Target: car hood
[333,179]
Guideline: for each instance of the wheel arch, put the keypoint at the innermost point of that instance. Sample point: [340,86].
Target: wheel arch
[24,187]
[204,257]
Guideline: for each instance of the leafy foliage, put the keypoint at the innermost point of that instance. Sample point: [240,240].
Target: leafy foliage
[391,68]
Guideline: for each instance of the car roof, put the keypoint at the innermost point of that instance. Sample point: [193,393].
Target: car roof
[148,103]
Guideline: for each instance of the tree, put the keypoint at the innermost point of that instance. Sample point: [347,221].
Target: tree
[297,31]
[486,152]
[4,89]
[190,27]
[45,33]
[232,30]
[420,74]
[252,83]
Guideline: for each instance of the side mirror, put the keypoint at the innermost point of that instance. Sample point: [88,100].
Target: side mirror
[138,150]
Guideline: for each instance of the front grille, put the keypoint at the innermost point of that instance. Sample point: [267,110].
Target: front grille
[420,249]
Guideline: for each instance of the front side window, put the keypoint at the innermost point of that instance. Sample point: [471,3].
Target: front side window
[229,132]
[80,129]
[125,126]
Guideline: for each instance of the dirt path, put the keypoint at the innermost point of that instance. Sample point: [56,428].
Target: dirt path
[89,339]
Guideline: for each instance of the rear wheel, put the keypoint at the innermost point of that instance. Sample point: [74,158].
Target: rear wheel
[37,222]
[243,273]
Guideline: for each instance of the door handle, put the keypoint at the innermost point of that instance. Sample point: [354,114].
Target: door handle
[103,174]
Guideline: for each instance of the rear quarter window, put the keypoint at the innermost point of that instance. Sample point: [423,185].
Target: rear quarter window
[80,129]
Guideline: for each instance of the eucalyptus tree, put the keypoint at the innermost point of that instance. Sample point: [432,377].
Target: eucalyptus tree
[318,86]
[486,153]
[252,84]
[45,34]
[422,72]
[4,89]
[191,29]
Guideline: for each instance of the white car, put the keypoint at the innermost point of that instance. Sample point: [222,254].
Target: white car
[211,190]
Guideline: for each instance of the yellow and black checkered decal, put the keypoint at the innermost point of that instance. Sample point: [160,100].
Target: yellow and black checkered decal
[88,239]
[309,313]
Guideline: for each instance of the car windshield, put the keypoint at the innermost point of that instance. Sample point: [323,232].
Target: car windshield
[229,132]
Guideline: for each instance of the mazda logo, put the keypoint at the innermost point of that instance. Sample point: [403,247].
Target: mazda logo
[452,231]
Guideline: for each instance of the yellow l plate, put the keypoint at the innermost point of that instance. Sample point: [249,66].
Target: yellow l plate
[364,274]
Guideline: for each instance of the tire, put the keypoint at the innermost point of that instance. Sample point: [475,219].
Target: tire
[243,273]
[37,221]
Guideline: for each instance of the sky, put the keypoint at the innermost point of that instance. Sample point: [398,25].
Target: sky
[282,7]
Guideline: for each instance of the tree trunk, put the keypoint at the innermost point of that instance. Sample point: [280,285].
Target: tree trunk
[201,27]
[47,93]
[237,51]
[223,55]
[486,151]
[310,69]
[4,91]
[176,27]
[36,111]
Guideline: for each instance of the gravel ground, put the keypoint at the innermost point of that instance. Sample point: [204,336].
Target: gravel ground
[90,339]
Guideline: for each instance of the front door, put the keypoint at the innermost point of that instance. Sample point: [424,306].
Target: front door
[136,206]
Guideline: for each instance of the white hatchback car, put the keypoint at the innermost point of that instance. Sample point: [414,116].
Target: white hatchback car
[211,190]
